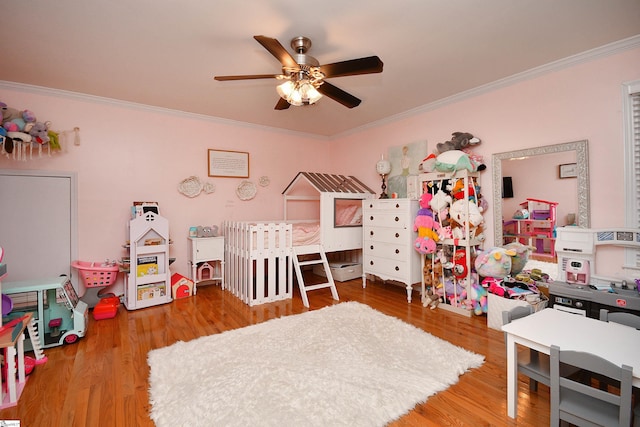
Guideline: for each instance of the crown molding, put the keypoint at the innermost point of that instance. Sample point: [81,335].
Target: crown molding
[587,56]
[570,61]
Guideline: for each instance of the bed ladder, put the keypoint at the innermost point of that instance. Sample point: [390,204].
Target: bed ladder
[317,251]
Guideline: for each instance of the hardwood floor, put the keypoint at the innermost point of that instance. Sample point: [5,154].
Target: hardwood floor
[102,380]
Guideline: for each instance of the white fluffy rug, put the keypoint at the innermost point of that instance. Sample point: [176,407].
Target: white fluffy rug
[345,364]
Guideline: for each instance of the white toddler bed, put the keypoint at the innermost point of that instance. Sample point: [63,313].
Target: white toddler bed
[259,254]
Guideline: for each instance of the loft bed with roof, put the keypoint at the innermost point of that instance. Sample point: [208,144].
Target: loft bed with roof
[320,211]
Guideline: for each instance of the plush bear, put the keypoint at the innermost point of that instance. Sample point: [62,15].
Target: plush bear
[463,211]
[432,272]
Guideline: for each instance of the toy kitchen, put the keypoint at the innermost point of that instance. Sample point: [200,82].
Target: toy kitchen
[580,288]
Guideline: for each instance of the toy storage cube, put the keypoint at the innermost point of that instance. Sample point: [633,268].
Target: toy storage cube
[341,271]
[497,304]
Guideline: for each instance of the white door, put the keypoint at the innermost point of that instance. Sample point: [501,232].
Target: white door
[37,223]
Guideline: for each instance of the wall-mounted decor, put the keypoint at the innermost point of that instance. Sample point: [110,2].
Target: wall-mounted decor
[264,181]
[405,160]
[246,190]
[568,170]
[228,164]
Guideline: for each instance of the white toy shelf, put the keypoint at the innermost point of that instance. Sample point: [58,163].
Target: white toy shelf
[148,281]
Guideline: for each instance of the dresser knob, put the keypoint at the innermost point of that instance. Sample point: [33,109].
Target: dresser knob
[397,235]
[397,268]
[371,247]
[397,219]
[371,233]
[370,262]
[397,251]
[371,218]
[397,205]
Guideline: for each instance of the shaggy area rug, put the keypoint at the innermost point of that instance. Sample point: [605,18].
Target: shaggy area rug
[345,364]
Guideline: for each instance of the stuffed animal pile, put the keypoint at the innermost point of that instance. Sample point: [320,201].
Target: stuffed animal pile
[21,130]
[448,211]
[454,155]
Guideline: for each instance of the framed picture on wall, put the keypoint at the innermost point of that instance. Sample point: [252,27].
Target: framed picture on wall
[229,164]
[568,170]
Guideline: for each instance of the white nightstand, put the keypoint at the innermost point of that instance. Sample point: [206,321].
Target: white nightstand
[205,251]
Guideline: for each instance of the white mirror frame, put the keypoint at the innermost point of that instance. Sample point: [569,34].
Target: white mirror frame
[582,159]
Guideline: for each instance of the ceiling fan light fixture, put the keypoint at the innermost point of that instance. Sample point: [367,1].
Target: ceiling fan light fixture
[298,93]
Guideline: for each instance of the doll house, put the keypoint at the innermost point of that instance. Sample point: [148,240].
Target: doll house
[533,224]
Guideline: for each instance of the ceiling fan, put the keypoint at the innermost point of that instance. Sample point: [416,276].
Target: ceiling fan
[304,77]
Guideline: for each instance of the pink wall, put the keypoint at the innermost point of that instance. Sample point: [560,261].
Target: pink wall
[129,153]
[583,101]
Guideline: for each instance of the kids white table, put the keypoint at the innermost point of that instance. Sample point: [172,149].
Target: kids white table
[616,343]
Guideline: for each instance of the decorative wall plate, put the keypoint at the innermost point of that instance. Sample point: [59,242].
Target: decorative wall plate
[246,190]
[264,181]
[209,187]
[191,186]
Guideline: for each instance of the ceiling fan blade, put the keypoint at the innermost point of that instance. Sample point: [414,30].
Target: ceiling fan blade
[282,104]
[339,95]
[247,77]
[276,49]
[368,65]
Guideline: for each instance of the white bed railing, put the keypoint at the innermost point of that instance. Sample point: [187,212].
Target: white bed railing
[258,259]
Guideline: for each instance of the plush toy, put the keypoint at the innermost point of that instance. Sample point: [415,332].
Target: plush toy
[425,245]
[440,202]
[459,140]
[40,132]
[494,262]
[12,119]
[430,299]
[519,260]
[457,191]
[459,269]
[462,211]
[425,202]
[432,272]
[428,164]
[455,160]
[479,299]
[426,227]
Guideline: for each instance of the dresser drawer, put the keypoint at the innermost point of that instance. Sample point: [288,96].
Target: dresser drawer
[387,219]
[398,252]
[387,268]
[387,204]
[401,236]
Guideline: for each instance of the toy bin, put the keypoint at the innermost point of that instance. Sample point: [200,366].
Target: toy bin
[106,308]
[95,276]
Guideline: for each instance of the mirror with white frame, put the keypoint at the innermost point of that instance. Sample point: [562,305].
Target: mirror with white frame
[576,151]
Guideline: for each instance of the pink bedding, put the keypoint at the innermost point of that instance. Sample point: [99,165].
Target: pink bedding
[306,233]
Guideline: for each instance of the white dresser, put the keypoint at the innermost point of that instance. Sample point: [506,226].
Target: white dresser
[388,235]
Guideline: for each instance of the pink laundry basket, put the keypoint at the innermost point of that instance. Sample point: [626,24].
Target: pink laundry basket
[96,274]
